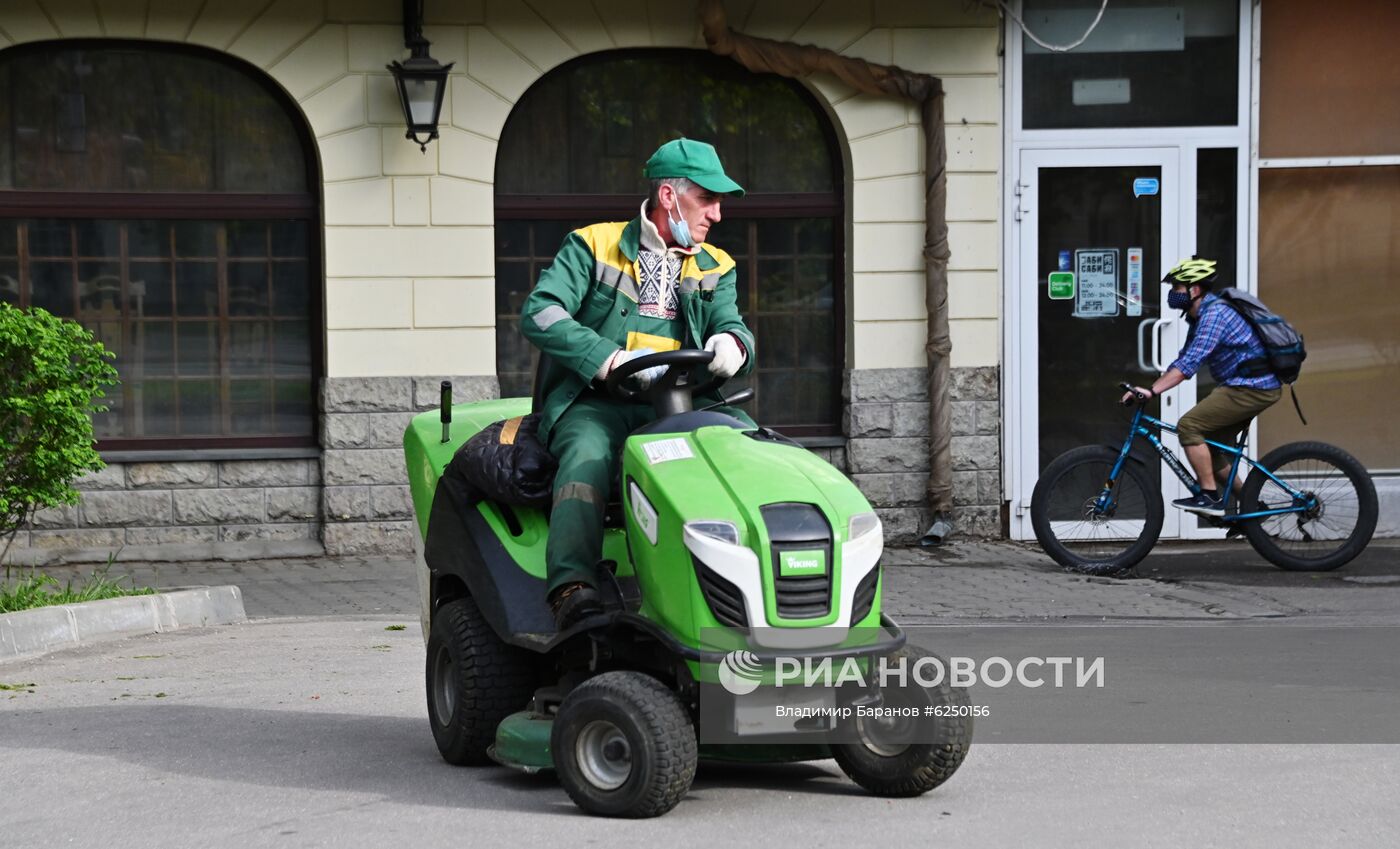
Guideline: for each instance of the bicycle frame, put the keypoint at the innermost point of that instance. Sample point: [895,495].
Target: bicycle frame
[1142,426]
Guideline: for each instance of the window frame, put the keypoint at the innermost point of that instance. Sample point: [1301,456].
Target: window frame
[210,206]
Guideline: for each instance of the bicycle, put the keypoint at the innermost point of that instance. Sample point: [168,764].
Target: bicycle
[1310,506]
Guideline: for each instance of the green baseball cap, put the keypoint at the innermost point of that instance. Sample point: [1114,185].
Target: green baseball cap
[694,160]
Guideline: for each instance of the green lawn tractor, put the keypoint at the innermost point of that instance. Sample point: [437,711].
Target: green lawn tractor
[722,541]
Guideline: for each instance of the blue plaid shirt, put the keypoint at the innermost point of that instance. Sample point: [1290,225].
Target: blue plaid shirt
[1223,340]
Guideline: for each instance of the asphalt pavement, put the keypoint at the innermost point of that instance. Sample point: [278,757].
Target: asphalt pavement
[306,726]
[312,732]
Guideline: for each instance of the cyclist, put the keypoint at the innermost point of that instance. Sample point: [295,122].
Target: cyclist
[1222,339]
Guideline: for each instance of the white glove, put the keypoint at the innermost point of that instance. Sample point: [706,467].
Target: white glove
[644,378]
[729,357]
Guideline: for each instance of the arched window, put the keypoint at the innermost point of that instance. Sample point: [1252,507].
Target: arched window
[571,154]
[161,196]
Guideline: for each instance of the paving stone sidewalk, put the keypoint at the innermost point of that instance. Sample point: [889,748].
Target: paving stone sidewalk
[310,586]
[1005,581]
[957,583]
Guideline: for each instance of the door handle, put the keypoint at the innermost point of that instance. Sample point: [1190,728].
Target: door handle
[1143,364]
[1157,343]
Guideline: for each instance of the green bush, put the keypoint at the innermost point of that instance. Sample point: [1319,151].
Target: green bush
[51,374]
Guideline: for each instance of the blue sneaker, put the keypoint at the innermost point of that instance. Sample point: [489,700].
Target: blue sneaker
[1202,504]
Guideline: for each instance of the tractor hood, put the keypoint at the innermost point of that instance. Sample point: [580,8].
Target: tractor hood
[759,471]
[725,474]
[789,564]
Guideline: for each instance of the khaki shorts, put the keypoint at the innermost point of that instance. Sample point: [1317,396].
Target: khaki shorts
[1223,414]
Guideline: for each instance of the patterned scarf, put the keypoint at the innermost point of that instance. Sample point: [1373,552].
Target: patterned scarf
[658,272]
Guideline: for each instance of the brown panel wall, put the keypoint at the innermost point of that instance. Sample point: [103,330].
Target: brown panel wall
[1329,261]
[1330,78]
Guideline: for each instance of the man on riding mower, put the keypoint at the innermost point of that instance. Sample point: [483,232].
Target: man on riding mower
[614,292]
[1222,339]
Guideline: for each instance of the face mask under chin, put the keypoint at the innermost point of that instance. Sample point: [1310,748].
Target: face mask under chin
[680,229]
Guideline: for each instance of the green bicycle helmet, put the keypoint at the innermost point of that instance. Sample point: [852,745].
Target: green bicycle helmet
[1192,272]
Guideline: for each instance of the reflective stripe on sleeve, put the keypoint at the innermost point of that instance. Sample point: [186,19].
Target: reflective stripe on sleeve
[550,316]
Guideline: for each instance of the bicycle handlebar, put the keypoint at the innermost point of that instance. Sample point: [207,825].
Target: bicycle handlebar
[1128,387]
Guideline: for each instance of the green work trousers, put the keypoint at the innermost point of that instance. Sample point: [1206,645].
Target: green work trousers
[587,441]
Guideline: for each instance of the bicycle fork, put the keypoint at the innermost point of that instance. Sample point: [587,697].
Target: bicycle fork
[1105,502]
[1105,499]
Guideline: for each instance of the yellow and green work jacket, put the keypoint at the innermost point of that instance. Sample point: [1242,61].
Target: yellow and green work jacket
[583,309]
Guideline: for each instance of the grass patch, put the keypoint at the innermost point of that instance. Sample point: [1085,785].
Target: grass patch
[394,627]
[4,686]
[26,592]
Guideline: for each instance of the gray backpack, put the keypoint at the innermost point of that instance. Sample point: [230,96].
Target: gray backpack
[1283,345]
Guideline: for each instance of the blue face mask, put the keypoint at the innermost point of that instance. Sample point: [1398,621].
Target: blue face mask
[680,228]
[1179,300]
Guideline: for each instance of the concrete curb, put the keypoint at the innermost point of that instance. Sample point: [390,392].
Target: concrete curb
[32,633]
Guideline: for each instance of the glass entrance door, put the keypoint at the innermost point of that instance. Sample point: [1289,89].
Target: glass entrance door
[1097,228]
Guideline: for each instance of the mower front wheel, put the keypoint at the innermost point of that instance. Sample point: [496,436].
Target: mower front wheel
[909,758]
[474,680]
[624,746]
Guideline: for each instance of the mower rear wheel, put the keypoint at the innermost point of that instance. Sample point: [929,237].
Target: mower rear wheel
[474,681]
[624,746]
[890,759]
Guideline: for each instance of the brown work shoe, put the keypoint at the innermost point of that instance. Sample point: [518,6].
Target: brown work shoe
[572,603]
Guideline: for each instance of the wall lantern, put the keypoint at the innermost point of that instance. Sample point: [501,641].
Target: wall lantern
[421,80]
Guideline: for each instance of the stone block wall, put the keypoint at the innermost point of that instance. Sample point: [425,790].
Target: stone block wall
[355,499]
[886,423]
[183,511]
[365,498]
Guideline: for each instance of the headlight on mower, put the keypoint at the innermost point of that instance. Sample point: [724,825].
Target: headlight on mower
[862,524]
[717,530]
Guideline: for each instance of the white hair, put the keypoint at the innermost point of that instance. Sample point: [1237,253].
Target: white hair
[681,185]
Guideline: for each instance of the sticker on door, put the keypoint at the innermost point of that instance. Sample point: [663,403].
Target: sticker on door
[1134,281]
[1096,273]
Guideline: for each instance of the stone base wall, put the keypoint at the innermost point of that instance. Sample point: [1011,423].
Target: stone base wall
[365,497]
[355,499]
[886,423]
[183,511]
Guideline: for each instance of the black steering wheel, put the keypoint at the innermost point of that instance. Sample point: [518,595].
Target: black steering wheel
[683,363]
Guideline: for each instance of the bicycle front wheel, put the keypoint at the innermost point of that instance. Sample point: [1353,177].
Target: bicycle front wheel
[1079,530]
[1328,534]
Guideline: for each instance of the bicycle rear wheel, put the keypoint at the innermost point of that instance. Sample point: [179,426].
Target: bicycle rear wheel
[1079,534]
[1325,537]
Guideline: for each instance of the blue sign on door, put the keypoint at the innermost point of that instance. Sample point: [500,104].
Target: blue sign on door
[1145,186]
